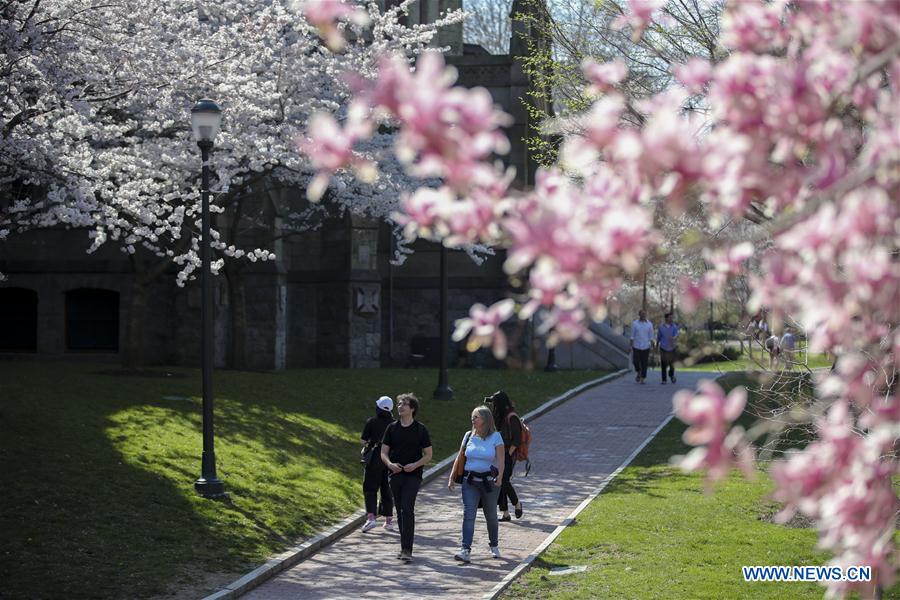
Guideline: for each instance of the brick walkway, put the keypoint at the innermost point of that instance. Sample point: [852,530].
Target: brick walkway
[576,446]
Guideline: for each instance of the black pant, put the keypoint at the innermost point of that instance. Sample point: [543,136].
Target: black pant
[405,487]
[667,359]
[640,359]
[507,491]
[375,479]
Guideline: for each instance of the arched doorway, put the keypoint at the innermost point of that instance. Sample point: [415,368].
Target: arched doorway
[18,320]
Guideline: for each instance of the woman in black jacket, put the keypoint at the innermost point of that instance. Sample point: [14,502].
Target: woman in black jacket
[510,428]
[375,475]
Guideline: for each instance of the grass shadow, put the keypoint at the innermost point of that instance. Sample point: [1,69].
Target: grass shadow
[110,529]
[99,468]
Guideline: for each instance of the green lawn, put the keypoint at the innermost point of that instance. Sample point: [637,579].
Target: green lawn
[654,533]
[760,362]
[98,469]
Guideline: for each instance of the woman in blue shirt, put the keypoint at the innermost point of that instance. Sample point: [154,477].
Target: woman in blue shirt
[483,451]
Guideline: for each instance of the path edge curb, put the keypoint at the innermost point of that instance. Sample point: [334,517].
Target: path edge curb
[291,557]
[529,560]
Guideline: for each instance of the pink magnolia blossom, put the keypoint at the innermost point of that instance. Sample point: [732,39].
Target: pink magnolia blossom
[731,260]
[545,281]
[473,219]
[603,77]
[639,16]
[671,160]
[694,75]
[754,26]
[445,131]
[844,481]
[423,210]
[603,120]
[565,323]
[693,293]
[325,16]
[601,125]
[330,147]
[483,327]
[800,135]
[710,413]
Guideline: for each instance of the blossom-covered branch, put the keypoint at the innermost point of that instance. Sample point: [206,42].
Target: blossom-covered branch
[798,134]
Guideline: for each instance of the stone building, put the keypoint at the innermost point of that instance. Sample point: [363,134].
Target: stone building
[331,298]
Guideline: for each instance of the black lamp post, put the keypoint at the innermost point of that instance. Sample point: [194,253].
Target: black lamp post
[443,391]
[206,118]
[551,361]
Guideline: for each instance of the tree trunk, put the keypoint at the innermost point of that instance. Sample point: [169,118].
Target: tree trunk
[236,357]
[133,356]
[644,295]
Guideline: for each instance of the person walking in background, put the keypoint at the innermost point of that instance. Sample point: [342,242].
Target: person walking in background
[510,428]
[641,339]
[773,347]
[405,450]
[758,329]
[788,348]
[375,473]
[482,450]
[666,336]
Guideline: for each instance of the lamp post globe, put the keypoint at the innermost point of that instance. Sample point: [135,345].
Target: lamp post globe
[206,120]
[551,366]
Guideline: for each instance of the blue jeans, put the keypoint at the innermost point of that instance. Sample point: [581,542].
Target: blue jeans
[471,494]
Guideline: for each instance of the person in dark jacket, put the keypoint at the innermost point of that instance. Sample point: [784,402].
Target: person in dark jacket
[375,473]
[510,428]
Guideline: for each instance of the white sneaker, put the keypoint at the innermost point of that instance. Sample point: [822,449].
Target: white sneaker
[370,525]
[495,551]
[390,526]
[463,555]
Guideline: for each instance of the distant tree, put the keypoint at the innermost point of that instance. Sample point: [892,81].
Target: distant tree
[581,30]
[488,24]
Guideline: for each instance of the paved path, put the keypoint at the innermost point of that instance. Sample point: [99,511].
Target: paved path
[576,446]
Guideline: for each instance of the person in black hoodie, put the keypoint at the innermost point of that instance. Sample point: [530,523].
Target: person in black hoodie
[375,473]
[510,428]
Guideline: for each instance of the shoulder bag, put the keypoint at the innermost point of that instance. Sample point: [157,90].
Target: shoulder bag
[459,465]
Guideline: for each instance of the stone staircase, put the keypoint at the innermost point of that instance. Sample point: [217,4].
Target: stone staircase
[609,351]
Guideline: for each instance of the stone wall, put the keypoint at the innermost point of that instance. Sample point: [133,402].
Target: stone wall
[411,296]
[331,298]
[53,262]
[187,323]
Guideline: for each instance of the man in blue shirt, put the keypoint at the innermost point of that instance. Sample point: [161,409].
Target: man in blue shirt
[666,336]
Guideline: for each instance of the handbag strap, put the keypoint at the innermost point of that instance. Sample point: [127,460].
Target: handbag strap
[462,449]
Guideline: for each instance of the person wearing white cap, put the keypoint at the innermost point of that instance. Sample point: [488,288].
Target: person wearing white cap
[375,473]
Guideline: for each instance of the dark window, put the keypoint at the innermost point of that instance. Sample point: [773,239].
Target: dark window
[92,320]
[18,320]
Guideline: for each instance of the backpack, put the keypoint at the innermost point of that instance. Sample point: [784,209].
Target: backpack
[522,448]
